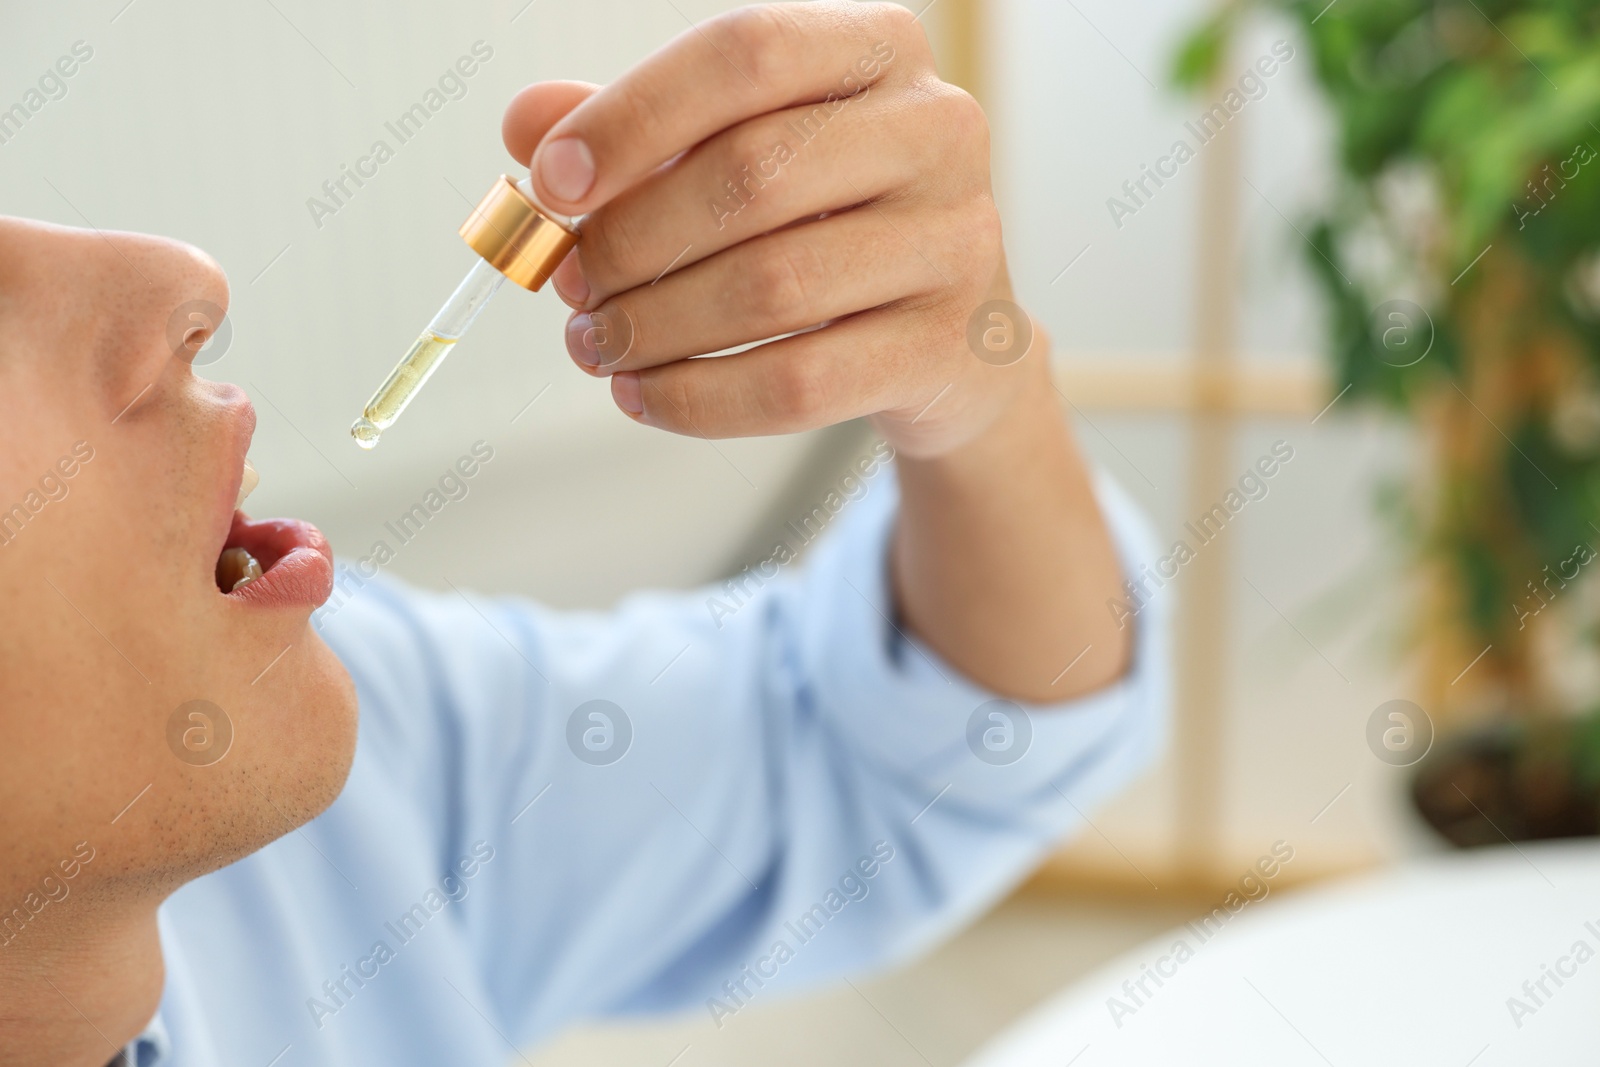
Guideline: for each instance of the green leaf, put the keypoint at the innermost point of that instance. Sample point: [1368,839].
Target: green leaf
[1201,52]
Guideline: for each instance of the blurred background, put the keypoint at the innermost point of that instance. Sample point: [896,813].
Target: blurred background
[1198,325]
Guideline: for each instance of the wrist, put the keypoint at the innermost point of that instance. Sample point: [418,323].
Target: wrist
[1019,415]
[1001,559]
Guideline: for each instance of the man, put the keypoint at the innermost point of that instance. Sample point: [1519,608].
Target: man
[553,816]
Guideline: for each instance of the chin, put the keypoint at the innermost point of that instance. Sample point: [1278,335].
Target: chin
[289,769]
[320,743]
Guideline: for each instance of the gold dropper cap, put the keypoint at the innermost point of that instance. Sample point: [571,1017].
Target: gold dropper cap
[518,239]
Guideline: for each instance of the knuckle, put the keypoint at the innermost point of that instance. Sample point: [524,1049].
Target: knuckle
[964,117]
[897,17]
[903,29]
[787,281]
[957,138]
[760,40]
[670,400]
[743,148]
[796,395]
[613,250]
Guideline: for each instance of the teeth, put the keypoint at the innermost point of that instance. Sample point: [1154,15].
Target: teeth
[236,569]
[248,485]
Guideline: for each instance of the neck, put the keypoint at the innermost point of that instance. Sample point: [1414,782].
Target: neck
[78,985]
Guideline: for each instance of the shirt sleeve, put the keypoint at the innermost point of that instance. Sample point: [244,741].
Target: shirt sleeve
[705,799]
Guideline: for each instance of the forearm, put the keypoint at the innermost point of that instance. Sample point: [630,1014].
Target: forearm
[1001,561]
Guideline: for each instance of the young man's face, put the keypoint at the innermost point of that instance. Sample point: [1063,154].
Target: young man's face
[119,472]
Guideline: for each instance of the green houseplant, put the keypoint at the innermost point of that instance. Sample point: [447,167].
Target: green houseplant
[1460,261]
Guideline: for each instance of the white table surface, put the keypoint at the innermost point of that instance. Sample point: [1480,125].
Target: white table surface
[1411,967]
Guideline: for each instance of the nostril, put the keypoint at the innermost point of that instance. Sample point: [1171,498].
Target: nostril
[199,332]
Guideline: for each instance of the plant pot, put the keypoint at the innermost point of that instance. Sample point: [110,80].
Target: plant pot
[1516,781]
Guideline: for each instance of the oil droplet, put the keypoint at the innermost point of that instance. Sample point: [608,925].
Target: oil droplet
[365,433]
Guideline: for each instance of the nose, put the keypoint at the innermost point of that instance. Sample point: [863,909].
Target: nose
[150,299]
[170,285]
[168,298]
[108,310]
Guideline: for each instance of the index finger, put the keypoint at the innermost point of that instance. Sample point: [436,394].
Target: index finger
[710,77]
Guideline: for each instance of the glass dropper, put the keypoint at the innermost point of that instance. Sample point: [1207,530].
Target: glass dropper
[427,352]
[516,239]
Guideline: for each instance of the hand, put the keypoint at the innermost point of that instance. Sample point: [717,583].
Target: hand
[781,168]
[800,169]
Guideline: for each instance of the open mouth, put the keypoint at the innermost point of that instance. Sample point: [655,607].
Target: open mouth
[273,562]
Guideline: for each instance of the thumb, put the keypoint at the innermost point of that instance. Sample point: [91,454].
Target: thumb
[534,110]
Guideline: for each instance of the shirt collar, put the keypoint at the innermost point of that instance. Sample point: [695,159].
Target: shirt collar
[151,1047]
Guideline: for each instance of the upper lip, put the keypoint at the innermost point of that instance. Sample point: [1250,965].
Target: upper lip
[241,428]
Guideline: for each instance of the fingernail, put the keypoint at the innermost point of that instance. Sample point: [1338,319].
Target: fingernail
[581,339]
[625,391]
[569,280]
[566,169]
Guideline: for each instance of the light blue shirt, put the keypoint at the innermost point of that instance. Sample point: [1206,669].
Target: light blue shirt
[778,788]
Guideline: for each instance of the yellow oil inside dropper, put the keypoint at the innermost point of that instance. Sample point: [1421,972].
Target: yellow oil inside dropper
[395,393]
[402,384]
[426,353]
[517,240]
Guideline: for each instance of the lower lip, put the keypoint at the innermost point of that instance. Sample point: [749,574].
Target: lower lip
[301,576]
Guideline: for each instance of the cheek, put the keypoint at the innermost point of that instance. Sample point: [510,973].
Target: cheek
[137,520]
[164,479]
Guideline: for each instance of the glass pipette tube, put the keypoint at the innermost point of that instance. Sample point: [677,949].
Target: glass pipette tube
[517,240]
[427,352]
